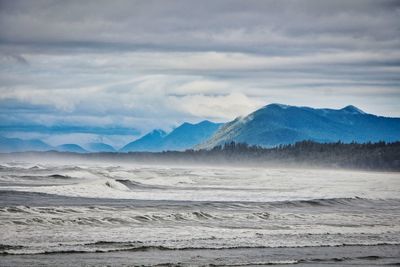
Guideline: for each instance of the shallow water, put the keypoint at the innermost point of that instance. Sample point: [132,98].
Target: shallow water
[196,215]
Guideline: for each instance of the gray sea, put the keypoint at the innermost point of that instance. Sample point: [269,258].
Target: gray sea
[98,214]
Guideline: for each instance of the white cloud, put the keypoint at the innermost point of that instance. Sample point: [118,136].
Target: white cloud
[221,108]
[145,65]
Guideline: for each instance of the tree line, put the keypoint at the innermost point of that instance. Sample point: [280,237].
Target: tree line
[368,156]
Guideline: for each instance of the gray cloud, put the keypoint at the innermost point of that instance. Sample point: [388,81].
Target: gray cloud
[147,64]
[206,25]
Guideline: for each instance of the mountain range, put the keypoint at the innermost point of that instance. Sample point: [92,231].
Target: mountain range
[99,147]
[181,138]
[150,142]
[19,145]
[70,148]
[269,126]
[277,124]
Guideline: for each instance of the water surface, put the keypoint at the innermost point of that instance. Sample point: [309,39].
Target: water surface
[149,215]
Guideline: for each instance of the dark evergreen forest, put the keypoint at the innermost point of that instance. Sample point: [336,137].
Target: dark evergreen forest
[368,156]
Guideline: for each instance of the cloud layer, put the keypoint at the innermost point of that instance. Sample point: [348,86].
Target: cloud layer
[133,66]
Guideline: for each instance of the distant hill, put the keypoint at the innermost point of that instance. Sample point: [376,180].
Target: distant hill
[150,142]
[19,145]
[99,147]
[70,148]
[277,124]
[272,125]
[188,135]
[181,138]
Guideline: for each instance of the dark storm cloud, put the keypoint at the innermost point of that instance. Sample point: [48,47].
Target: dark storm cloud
[148,64]
[208,25]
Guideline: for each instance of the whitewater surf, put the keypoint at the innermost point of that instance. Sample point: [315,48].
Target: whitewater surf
[152,215]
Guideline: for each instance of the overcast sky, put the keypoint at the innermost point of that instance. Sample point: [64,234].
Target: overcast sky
[112,70]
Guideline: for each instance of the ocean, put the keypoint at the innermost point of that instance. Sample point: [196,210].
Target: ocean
[99,214]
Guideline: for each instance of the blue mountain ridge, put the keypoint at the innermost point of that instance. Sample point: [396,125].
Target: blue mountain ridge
[71,148]
[8,145]
[151,142]
[268,126]
[98,147]
[185,136]
[19,145]
[277,124]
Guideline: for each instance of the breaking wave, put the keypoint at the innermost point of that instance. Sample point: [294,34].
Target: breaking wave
[109,246]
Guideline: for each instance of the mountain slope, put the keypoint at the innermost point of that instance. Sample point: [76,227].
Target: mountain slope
[99,147]
[188,135]
[185,136]
[277,124]
[71,148]
[19,145]
[150,142]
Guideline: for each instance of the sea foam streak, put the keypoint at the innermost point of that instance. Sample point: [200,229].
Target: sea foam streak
[203,184]
[99,208]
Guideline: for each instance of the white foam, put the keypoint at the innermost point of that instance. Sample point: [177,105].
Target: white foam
[217,184]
